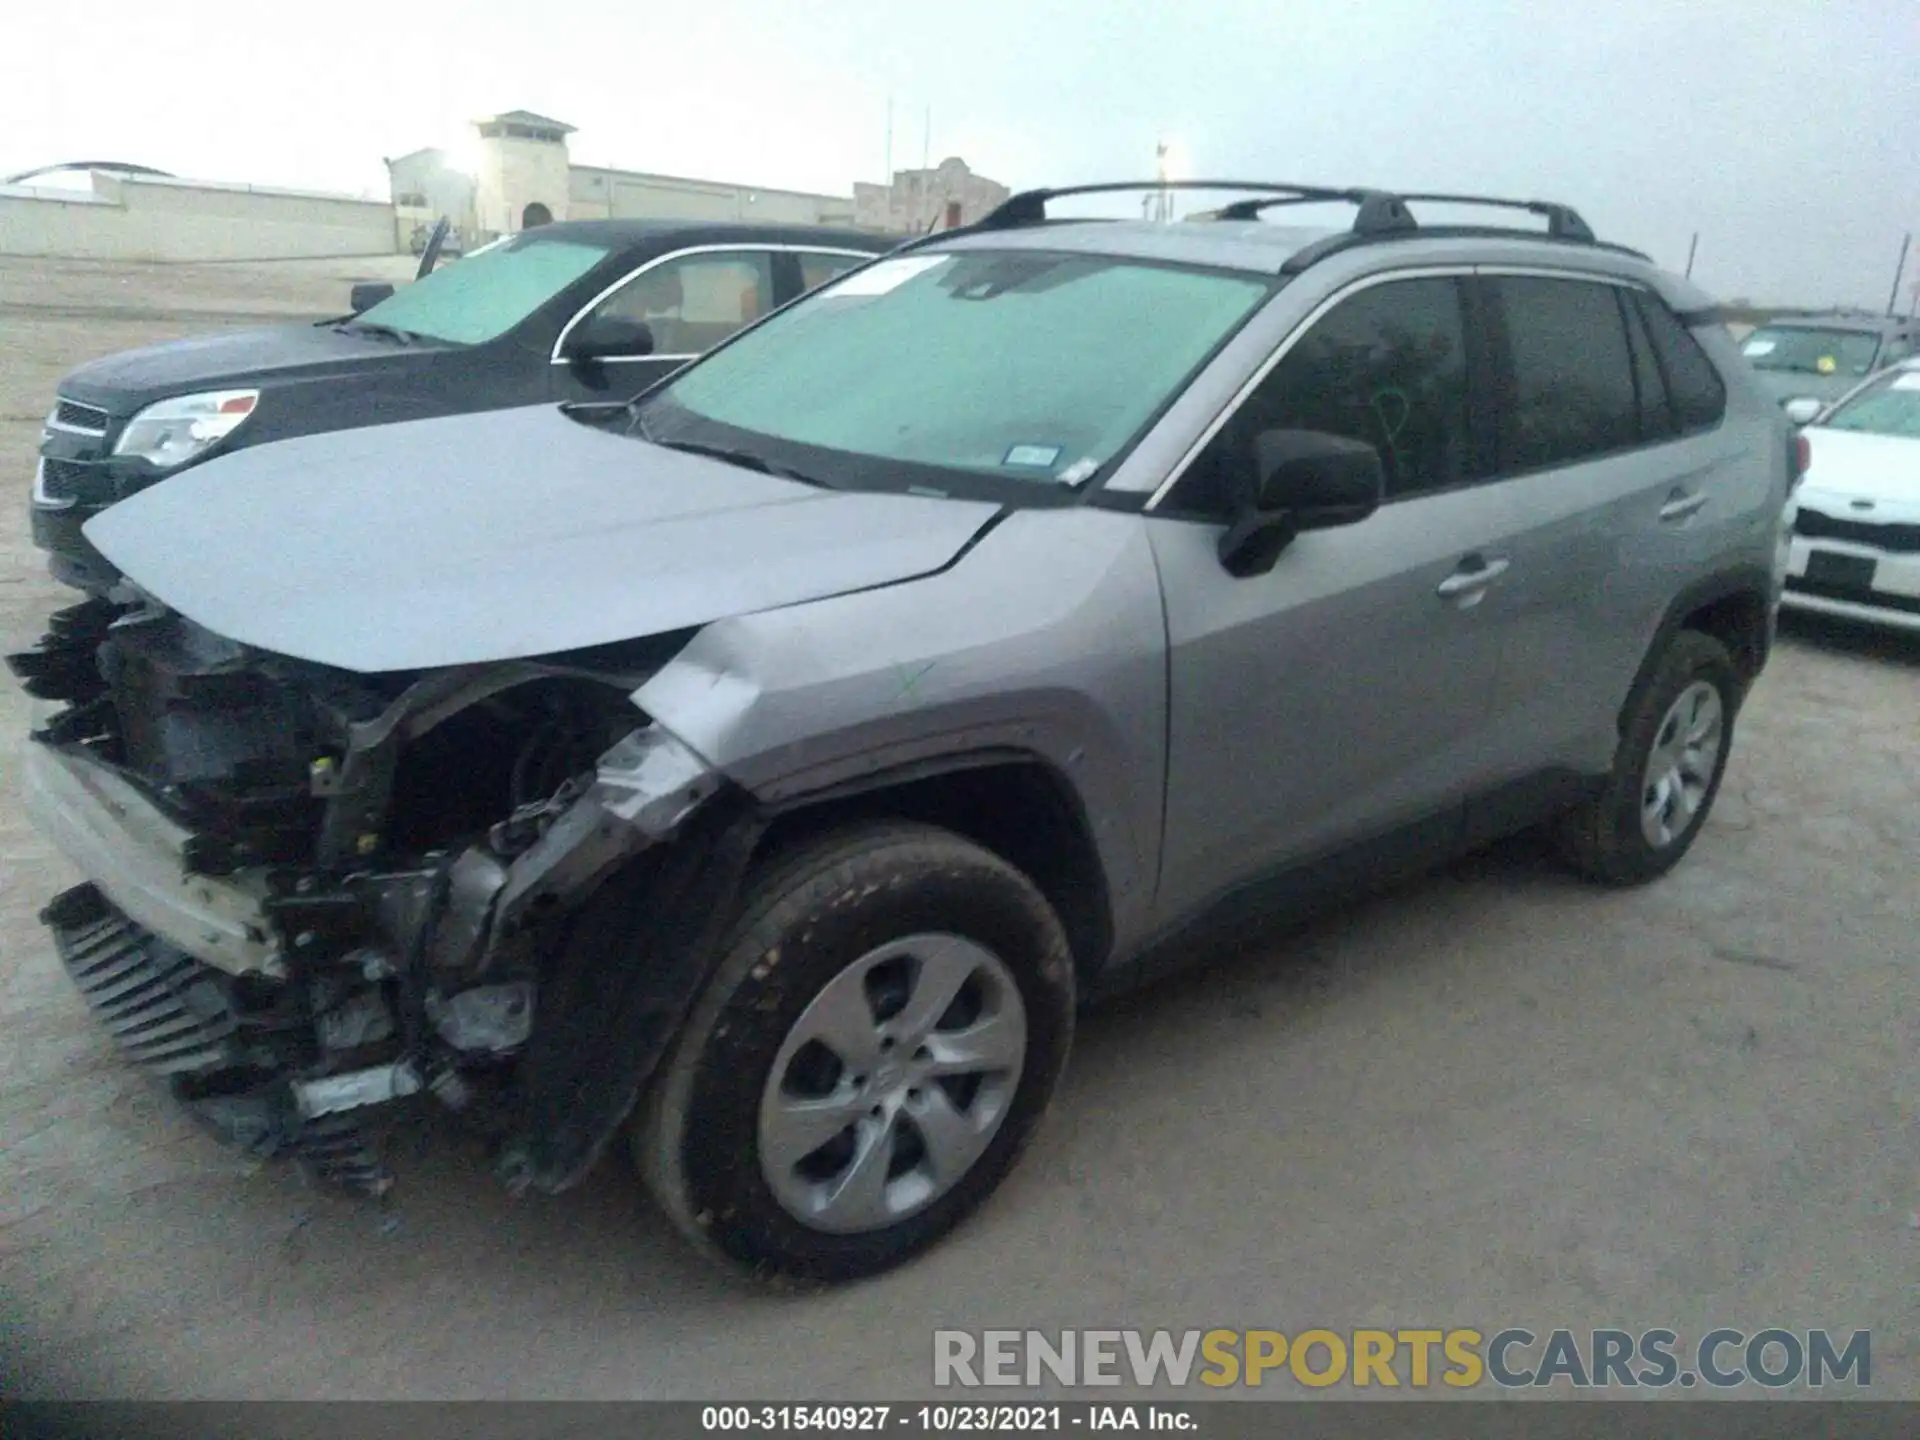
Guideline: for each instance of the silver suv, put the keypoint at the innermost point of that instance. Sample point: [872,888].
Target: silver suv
[767,768]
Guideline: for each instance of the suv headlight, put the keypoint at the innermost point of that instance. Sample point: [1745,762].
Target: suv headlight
[172,432]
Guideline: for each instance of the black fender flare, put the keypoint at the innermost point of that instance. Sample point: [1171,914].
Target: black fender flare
[1745,581]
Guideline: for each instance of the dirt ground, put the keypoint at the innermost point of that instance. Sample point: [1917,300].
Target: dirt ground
[1491,1098]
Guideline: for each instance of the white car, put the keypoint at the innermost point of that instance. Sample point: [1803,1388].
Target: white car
[1856,536]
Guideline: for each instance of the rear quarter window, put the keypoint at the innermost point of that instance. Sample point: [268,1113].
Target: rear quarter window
[1699,395]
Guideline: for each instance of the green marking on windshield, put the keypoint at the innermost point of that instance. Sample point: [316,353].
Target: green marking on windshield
[914,677]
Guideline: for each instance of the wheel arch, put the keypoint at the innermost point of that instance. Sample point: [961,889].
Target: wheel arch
[1013,802]
[1733,606]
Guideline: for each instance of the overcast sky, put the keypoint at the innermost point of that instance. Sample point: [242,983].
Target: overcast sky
[1787,132]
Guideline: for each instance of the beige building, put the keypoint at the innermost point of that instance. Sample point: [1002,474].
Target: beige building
[524,176]
[949,194]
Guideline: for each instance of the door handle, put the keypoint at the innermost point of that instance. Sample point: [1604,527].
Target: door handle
[1680,504]
[1465,581]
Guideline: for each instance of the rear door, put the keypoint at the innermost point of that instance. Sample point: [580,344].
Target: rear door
[1606,414]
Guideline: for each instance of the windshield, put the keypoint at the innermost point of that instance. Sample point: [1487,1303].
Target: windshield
[1889,406]
[487,293]
[1811,351]
[1032,369]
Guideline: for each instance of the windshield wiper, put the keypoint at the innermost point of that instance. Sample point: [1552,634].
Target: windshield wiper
[374,327]
[745,459]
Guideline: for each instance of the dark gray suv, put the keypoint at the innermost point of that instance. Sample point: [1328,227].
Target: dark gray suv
[767,768]
[1806,362]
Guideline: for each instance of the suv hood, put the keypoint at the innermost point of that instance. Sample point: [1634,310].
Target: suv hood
[129,379]
[499,536]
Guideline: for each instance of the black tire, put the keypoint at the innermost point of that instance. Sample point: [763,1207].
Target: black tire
[1602,839]
[804,918]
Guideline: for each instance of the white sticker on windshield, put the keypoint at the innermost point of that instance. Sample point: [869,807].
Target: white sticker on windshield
[1079,470]
[1036,456]
[1910,380]
[1759,347]
[879,279]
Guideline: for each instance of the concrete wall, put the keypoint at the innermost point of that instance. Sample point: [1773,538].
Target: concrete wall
[141,218]
[630,195]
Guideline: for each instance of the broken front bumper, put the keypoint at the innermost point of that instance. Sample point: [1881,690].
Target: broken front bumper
[137,856]
[282,1003]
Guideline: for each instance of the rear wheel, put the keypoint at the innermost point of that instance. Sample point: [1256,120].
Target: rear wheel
[883,1033]
[1673,752]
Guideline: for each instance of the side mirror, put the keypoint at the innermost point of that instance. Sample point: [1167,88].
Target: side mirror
[610,337]
[1803,410]
[365,297]
[1304,480]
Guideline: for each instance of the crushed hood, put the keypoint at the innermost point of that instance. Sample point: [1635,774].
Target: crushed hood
[501,536]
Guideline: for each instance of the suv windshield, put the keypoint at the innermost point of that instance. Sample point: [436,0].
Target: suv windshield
[1032,368]
[1889,406]
[1814,352]
[487,293]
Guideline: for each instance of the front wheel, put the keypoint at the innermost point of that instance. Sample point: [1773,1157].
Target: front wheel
[883,1032]
[1673,752]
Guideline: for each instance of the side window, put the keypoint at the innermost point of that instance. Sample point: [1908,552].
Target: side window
[1699,395]
[1388,366]
[693,303]
[1573,394]
[816,267]
[1656,407]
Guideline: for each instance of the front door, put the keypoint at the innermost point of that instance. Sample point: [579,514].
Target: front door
[1344,695]
[690,301]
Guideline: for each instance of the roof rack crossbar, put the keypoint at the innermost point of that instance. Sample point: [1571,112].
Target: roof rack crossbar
[1563,221]
[1379,212]
[1029,207]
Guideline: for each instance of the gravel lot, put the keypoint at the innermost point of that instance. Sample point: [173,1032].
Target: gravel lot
[1491,1098]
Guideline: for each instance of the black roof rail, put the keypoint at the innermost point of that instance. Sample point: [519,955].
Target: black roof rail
[1380,215]
[1333,244]
[1380,211]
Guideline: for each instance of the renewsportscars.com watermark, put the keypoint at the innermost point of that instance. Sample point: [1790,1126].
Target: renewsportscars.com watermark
[1414,1359]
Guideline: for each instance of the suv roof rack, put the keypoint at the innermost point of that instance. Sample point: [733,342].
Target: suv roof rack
[1029,207]
[1379,214]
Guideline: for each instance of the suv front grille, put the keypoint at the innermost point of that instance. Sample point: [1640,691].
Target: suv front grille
[1815,526]
[88,419]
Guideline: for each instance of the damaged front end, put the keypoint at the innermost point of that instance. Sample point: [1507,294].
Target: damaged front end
[311,892]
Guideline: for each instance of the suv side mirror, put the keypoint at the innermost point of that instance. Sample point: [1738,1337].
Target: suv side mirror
[1802,410]
[1305,480]
[609,337]
[365,297]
